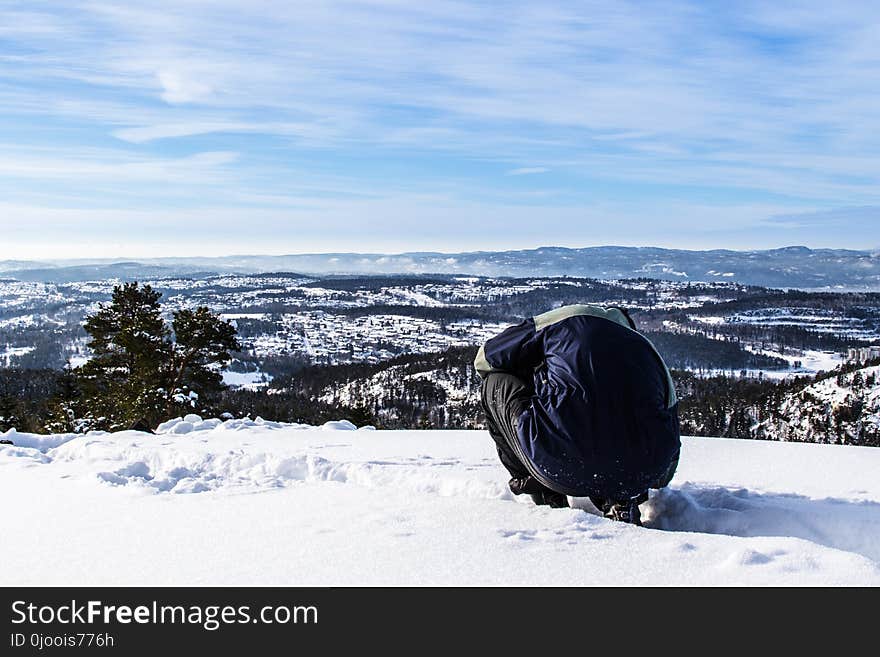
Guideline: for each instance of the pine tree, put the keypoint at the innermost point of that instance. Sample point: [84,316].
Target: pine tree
[202,346]
[138,371]
[64,407]
[361,416]
[9,413]
[131,346]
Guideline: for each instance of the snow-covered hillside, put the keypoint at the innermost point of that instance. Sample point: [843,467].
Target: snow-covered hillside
[844,408]
[251,502]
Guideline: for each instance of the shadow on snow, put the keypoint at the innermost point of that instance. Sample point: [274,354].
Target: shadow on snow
[853,526]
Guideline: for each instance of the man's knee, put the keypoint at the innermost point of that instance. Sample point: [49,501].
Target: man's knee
[499,389]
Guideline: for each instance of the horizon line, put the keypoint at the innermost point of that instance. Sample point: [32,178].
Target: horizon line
[122,259]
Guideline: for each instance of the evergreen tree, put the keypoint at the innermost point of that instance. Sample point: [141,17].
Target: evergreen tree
[202,346]
[9,415]
[123,381]
[361,416]
[139,371]
[64,408]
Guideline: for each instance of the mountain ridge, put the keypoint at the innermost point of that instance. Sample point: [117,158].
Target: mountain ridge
[790,266]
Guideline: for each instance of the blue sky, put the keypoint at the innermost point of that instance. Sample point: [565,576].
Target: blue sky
[211,128]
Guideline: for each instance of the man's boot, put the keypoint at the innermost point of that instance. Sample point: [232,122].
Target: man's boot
[528,485]
[540,494]
[622,511]
[625,512]
[550,498]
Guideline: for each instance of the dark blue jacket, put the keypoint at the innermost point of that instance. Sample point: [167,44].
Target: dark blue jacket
[603,419]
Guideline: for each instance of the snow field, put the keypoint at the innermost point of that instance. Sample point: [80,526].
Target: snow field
[208,502]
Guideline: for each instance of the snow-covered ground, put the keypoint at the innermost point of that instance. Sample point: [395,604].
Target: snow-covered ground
[251,502]
[7,353]
[808,362]
[248,380]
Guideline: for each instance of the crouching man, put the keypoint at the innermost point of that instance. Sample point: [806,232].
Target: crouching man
[580,404]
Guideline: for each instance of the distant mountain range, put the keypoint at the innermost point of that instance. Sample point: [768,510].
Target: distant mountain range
[790,267]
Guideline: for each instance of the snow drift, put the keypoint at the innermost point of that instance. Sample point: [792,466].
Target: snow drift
[208,502]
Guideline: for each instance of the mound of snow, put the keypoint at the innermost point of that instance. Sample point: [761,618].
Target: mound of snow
[340,425]
[194,423]
[37,441]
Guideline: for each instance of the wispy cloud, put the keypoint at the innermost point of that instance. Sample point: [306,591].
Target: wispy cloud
[148,133]
[199,167]
[525,171]
[846,219]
